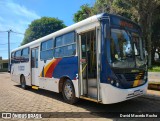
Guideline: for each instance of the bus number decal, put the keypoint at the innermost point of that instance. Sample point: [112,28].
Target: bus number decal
[21,68]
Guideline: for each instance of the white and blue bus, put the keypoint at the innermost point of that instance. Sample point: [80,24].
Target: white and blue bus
[101,59]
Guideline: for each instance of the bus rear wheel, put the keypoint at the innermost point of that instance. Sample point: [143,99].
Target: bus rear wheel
[68,92]
[23,82]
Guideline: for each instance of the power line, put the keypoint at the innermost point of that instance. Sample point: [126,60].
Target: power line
[2,31]
[10,43]
[12,32]
[17,32]
[3,50]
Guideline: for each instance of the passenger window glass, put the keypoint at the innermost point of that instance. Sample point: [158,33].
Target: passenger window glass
[25,52]
[46,50]
[59,41]
[49,44]
[68,38]
[18,54]
[70,50]
[43,47]
[59,52]
[65,39]
[25,55]
[12,57]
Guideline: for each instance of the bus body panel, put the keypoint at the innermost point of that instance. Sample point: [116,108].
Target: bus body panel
[19,69]
[111,94]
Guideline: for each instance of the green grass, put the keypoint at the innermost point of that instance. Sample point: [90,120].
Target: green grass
[154,69]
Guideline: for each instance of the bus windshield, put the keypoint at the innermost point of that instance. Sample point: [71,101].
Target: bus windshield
[126,49]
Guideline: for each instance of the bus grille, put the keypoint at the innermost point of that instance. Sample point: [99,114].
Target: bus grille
[131,76]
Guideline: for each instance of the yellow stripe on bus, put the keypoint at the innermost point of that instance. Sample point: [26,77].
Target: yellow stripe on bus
[46,68]
[136,82]
[34,87]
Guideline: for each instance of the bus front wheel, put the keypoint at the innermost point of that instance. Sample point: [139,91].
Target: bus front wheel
[23,82]
[68,92]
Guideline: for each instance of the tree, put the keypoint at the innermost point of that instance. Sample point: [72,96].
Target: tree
[84,12]
[156,34]
[42,27]
[102,6]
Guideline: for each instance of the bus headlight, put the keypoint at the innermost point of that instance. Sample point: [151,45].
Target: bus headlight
[117,84]
[112,82]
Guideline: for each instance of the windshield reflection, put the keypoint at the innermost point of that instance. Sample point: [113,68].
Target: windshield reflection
[126,49]
[138,49]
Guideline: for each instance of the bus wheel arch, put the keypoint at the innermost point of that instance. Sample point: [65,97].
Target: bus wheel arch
[68,95]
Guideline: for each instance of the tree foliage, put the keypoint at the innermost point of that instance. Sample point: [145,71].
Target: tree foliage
[84,12]
[42,27]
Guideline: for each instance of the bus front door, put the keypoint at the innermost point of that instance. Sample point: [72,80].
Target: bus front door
[89,75]
[34,66]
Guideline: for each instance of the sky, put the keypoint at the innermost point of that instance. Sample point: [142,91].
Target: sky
[18,14]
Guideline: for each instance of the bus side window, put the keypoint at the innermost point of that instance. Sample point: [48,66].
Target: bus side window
[12,57]
[25,55]
[65,45]
[46,50]
[18,56]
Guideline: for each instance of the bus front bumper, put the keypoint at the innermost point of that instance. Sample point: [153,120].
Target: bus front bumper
[111,94]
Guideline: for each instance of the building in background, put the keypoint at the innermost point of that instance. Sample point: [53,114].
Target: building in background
[3,65]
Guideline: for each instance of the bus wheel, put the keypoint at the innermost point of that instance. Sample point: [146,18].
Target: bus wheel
[23,82]
[68,92]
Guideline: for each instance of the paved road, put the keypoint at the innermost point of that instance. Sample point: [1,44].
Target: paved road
[154,77]
[13,99]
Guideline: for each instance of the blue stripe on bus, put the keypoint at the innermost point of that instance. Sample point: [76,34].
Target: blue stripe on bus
[68,66]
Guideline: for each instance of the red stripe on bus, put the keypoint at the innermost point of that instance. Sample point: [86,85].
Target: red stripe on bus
[52,67]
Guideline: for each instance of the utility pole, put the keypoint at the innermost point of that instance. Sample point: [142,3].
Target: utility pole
[9,31]
[9,60]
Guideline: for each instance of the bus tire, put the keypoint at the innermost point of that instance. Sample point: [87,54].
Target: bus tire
[68,92]
[23,82]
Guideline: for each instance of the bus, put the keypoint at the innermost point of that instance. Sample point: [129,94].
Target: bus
[101,59]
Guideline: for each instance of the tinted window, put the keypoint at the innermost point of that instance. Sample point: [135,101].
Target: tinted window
[47,45]
[25,52]
[25,55]
[12,57]
[65,39]
[68,38]
[46,50]
[18,53]
[70,50]
[46,55]
[17,58]
[65,51]
[59,41]
[43,46]
[59,52]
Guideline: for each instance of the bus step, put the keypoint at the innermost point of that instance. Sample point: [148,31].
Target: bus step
[92,92]
[34,87]
[90,99]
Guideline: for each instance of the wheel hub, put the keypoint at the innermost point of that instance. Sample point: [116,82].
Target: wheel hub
[68,91]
